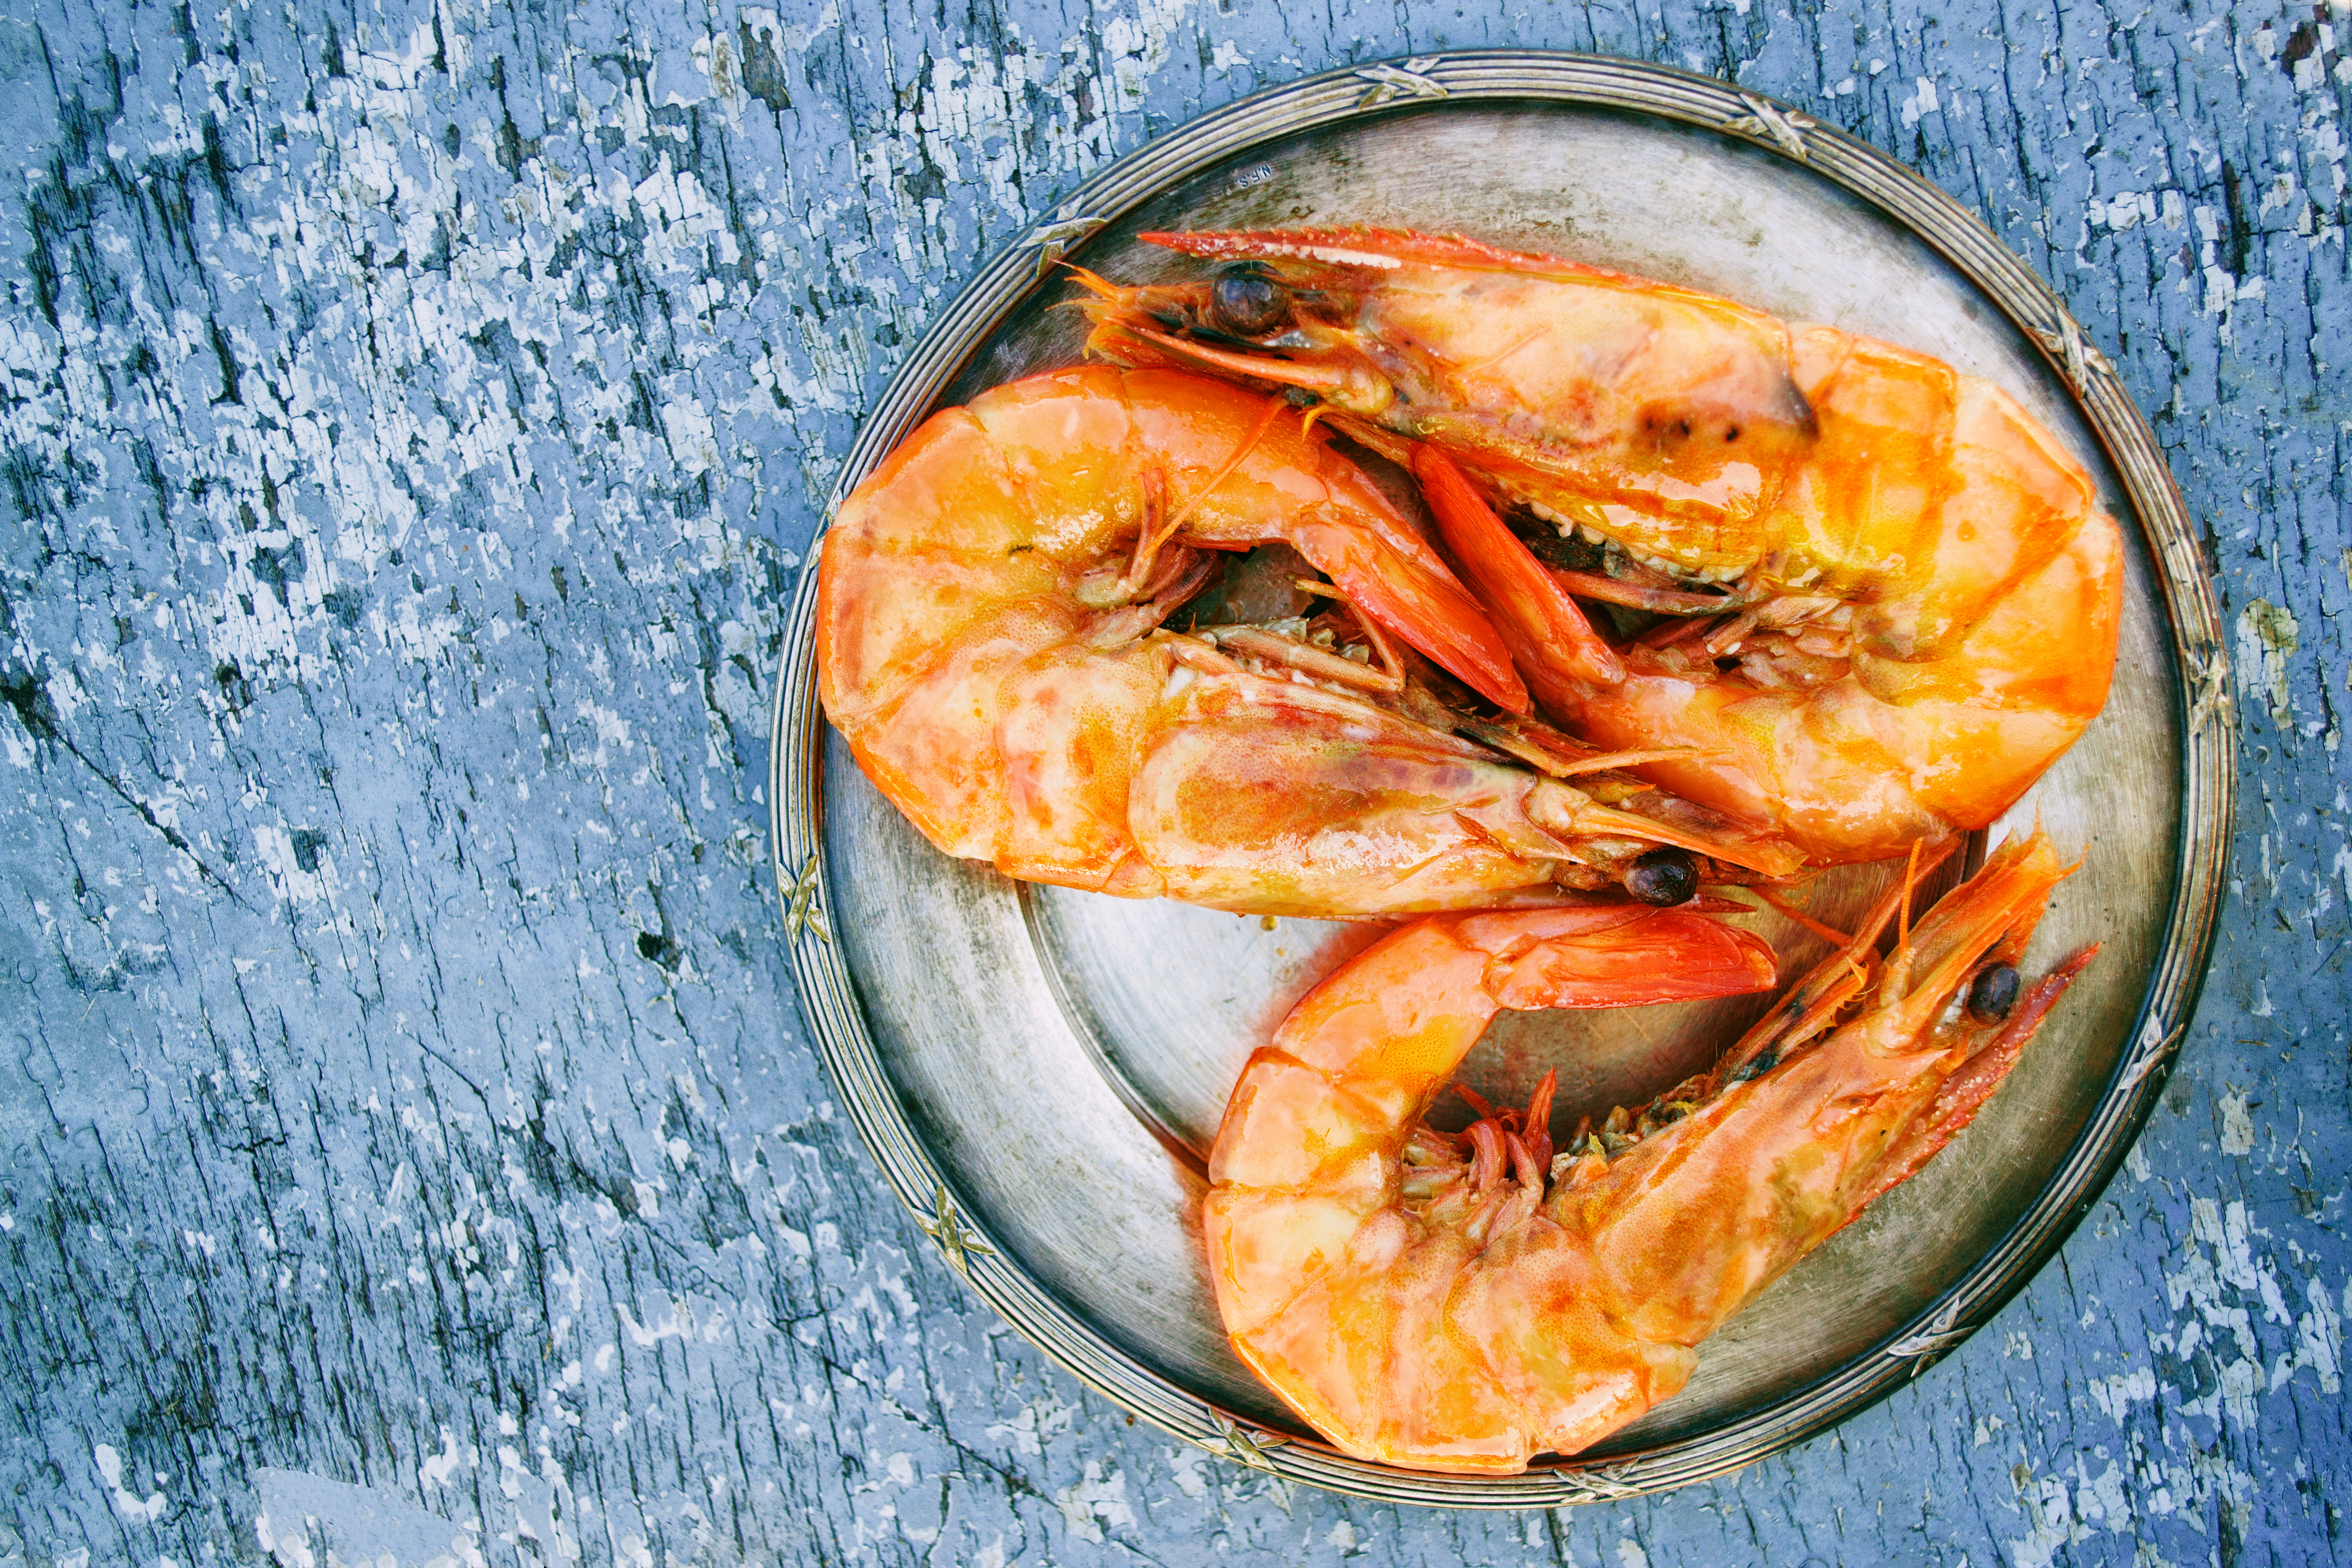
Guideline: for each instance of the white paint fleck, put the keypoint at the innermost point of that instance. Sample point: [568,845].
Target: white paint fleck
[126,1503]
[2319,1337]
[1036,1424]
[435,1469]
[289,882]
[1094,1500]
[1185,1466]
[1922,102]
[2118,1394]
[2267,636]
[2237,1127]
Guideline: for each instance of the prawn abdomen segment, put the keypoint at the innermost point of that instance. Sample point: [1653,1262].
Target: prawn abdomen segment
[1366,1355]
[1860,512]
[941,499]
[2016,498]
[932,747]
[1070,735]
[1999,705]
[1549,1332]
[1266,1246]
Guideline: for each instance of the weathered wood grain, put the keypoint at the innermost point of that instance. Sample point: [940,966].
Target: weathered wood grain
[413,419]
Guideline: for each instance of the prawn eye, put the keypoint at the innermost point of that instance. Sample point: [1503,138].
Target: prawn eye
[1993,993]
[1248,303]
[1664,877]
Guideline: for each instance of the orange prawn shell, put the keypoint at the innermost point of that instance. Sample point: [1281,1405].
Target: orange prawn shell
[1472,1339]
[1988,613]
[958,655]
[1306,1190]
[1982,581]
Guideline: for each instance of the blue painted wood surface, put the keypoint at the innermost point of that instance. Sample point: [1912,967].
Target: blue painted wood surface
[413,417]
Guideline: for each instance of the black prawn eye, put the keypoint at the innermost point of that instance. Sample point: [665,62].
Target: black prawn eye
[1248,303]
[1992,996]
[1664,877]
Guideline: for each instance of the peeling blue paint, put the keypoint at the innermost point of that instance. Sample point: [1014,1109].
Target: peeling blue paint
[413,420]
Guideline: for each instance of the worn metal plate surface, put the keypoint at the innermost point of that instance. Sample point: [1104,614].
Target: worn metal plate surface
[1041,1069]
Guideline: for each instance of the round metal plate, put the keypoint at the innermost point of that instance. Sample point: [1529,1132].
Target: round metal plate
[1038,1071]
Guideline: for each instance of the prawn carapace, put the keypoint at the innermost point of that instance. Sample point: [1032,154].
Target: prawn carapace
[1866,599]
[1467,1302]
[991,643]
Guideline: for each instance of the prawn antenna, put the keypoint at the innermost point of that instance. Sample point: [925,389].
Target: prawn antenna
[1249,444]
[1899,962]
[1787,907]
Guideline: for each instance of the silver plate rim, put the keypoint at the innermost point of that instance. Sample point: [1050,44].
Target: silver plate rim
[2201,694]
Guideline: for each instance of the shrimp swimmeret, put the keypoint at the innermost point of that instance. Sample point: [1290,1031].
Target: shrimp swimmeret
[1465,1302]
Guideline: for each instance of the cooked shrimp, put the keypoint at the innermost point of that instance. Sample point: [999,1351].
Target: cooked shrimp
[1467,1302]
[1891,599]
[989,642]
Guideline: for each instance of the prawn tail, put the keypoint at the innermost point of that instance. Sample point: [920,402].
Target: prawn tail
[1418,604]
[1614,956]
[1553,642]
